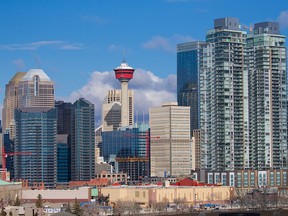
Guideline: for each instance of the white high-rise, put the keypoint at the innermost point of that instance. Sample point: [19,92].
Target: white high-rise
[266,53]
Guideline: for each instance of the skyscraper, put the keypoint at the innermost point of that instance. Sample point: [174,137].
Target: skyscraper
[82,141]
[35,135]
[64,110]
[170,155]
[111,110]
[11,100]
[187,79]
[126,148]
[224,97]
[267,65]
[36,90]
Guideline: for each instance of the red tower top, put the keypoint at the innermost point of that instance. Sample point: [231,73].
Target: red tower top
[124,72]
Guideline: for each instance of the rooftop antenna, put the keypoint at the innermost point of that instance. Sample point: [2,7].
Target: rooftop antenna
[124,60]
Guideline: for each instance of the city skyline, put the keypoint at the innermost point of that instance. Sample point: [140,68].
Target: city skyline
[80,44]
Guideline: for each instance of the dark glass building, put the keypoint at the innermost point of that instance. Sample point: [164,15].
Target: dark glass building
[35,135]
[63,117]
[82,141]
[62,158]
[187,79]
[127,150]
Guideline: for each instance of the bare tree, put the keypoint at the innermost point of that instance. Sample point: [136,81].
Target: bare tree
[181,204]
[126,207]
[159,206]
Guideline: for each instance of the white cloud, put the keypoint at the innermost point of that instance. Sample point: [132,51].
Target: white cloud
[166,44]
[94,19]
[150,90]
[19,64]
[39,44]
[283,19]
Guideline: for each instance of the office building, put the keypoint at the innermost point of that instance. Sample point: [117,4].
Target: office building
[223,82]
[63,168]
[82,141]
[126,149]
[11,101]
[187,79]
[170,155]
[36,90]
[267,67]
[35,145]
[64,110]
[111,110]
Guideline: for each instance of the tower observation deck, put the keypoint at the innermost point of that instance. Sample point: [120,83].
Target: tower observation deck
[124,73]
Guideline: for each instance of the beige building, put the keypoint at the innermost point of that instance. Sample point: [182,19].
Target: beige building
[111,110]
[36,90]
[9,190]
[196,151]
[82,194]
[11,100]
[171,152]
[148,194]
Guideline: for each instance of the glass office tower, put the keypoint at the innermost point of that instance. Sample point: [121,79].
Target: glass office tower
[82,141]
[187,79]
[35,145]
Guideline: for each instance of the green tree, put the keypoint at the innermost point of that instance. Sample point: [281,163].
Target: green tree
[17,201]
[39,201]
[77,210]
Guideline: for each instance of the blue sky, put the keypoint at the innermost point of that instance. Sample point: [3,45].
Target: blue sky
[79,42]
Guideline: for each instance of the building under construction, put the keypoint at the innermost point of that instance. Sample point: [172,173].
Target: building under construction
[127,149]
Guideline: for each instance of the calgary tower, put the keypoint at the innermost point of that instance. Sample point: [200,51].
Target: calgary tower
[124,73]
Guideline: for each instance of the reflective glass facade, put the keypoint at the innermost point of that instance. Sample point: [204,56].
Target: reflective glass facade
[128,149]
[35,143]
[187,79]
[82,141]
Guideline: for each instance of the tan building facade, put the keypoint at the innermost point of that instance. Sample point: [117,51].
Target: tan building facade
[111,110]
[36,90]
[148,194]
[11,100]
[171,152]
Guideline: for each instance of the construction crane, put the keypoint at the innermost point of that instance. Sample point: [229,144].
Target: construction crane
[5,155]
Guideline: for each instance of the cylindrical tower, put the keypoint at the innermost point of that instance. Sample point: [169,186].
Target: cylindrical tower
[124,73]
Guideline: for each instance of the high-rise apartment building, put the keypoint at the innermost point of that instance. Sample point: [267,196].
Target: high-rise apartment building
[111,110]
[187,79]
[36,90]
[267,65]
[170,155]
[224,97]
[35,135]
[11,101]
[82,141]
[243,97]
